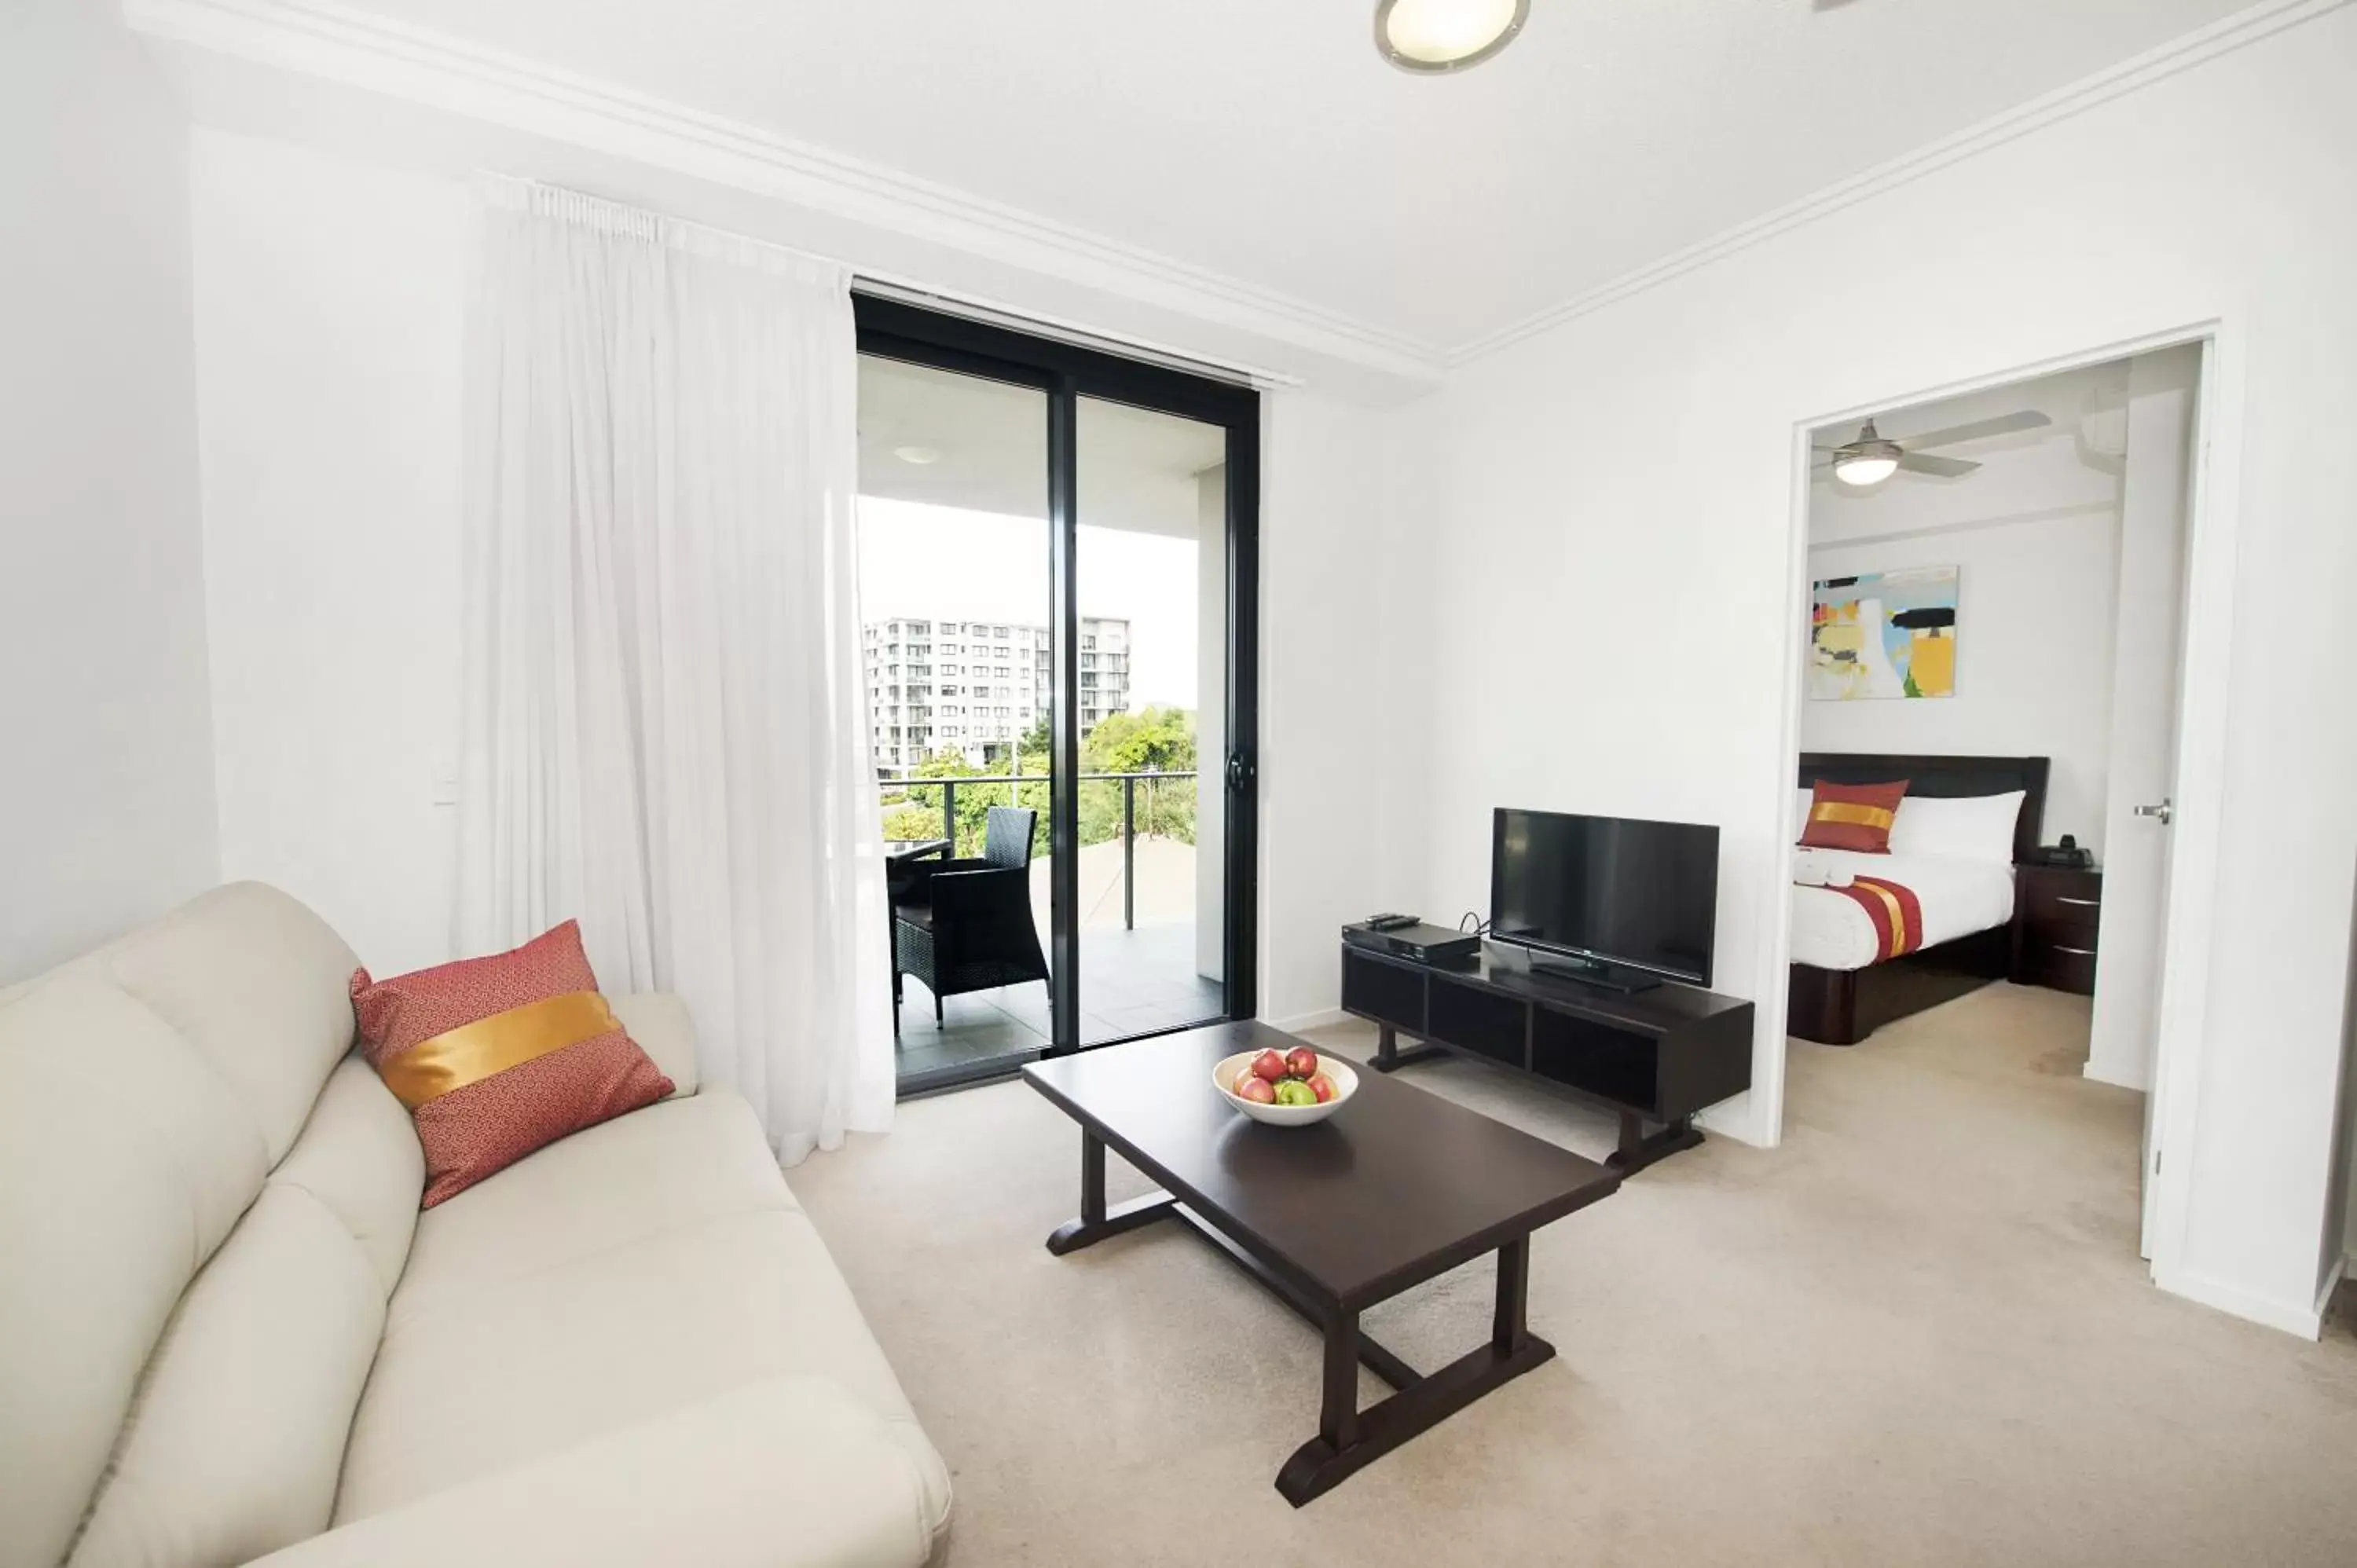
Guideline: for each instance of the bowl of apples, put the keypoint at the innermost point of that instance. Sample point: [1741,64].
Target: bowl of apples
[1285,1088]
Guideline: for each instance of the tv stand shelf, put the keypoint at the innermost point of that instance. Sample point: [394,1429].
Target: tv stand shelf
[1654,1056]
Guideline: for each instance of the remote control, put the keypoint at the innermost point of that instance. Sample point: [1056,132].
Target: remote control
[1390,922]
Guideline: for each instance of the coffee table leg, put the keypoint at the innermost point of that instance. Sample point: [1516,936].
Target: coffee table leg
[1337,1417]
[1349,1439]
[1096,1221]
[1509,1324]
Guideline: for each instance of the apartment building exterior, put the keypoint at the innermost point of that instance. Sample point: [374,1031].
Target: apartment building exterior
[977,686]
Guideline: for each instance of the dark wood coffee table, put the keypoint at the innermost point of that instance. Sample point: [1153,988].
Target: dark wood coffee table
[1395,1187]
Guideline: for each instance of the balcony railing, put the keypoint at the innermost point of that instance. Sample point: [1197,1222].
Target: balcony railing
[1031,789]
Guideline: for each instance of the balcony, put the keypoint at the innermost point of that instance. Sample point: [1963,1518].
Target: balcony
[1140,945]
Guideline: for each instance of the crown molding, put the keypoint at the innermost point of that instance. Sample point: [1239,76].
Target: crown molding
[2156,65]
[331,43]
[375,55]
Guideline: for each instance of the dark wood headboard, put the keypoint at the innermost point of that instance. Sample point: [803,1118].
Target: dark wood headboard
[1944,777]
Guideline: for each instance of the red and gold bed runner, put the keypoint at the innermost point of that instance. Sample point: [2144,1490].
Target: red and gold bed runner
[1897,914]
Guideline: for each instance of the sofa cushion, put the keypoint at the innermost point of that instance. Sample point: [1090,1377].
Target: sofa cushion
[255,983]
[233,1446]
[359,1156]
[499,1056]
[634,1306]
[655,1171]
[785,1474]
[124,1160]
[659,1021]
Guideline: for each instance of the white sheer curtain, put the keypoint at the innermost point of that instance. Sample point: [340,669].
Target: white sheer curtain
[665,731]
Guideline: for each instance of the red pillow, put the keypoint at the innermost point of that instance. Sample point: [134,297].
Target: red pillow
[496,1057]
[1852,816]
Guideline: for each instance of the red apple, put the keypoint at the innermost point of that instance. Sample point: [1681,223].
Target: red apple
[1323,1087]
[1269,1065]
[1258,1089]
[1300,1062]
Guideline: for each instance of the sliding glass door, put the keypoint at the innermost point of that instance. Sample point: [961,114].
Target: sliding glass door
[1150,570]
[956,624]
[1001,470]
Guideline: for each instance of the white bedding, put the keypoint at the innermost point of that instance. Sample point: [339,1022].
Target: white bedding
[1959,897]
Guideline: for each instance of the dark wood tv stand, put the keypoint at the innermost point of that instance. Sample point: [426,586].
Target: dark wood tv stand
[1654,1056]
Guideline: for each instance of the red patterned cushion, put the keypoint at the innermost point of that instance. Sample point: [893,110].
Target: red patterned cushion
[1853,816]
[496,1057]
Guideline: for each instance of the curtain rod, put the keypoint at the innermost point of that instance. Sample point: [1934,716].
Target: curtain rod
[521,192]
[879,285]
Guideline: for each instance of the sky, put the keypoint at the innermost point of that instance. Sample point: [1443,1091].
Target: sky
[943,563]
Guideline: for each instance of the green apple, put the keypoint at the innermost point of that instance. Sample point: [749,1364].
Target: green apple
[1294,1092]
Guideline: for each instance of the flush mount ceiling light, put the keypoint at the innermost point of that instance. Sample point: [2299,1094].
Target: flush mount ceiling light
[1433,35]
[1867,461]
[922,457]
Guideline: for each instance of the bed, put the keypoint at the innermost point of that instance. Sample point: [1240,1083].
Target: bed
[1840,991]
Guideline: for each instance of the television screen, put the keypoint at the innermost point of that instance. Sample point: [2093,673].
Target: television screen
[1616,889]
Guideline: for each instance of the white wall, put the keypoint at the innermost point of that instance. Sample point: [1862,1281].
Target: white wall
[106,807]
[1608,574]
[330,303]
[2034,612]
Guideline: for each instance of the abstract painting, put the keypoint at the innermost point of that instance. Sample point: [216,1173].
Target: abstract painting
[1883,634]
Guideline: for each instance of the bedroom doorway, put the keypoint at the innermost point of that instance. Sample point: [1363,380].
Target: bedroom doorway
[1995,602]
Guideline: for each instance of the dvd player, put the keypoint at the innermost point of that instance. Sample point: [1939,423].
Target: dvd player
[1435,945]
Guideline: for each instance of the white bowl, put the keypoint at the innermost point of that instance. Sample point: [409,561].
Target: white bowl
[1346,1084]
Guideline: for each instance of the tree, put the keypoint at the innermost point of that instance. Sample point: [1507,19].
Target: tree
[1153,741]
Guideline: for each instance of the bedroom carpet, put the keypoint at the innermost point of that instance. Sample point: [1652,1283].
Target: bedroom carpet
[1918,1333]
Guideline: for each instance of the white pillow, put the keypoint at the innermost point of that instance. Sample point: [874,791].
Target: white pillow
[1964,827]
[1802,798]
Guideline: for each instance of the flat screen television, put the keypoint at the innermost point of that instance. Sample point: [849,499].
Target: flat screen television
[1615,894]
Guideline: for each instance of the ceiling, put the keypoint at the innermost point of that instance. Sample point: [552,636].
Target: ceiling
[2063,469]
[1269,144]
[952,440]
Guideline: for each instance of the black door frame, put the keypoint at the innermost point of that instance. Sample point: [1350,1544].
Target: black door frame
[1067,372]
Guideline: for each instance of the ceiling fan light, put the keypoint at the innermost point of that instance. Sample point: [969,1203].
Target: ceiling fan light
[1446,35]
[1870,466]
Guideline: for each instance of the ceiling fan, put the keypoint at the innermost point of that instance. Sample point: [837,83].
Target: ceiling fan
[1870,460]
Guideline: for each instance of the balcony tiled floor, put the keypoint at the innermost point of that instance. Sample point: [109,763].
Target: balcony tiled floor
[1131,982]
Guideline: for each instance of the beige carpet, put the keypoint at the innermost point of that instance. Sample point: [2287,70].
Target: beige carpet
[1918,1333]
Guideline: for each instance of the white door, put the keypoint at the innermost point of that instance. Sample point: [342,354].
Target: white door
[2147,676]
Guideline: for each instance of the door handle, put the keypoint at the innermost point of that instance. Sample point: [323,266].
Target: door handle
[2162,813]
[1239,772]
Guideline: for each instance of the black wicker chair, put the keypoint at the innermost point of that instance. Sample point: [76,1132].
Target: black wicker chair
[966,924]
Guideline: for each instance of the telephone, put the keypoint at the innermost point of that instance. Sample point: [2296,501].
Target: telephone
[2070,853]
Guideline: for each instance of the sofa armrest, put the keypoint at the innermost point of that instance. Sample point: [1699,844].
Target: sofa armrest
[659,1021]
[778,1475]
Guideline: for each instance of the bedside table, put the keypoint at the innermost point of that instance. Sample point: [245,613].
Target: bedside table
[2057,912]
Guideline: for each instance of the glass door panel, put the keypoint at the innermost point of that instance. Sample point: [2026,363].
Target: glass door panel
[957,630]
[1150,563]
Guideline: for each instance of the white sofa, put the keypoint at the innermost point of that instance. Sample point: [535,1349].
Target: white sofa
[227,1333]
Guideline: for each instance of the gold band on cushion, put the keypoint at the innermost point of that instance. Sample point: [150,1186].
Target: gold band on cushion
[473,1052]
[1851,812]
